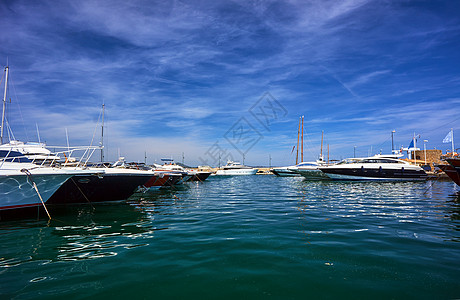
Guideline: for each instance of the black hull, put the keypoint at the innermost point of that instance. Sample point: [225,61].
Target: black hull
[453,170]
[374,174]
[92,188]
[200,176]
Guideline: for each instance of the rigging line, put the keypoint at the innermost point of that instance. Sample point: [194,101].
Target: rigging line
[92,139]
[19,107]
[444,125]
[71,178]
[29,176]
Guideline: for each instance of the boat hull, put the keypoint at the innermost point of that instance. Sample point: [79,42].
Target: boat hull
[453,169]
[18,193]
[236,172]
[284,172]
[99,188]
[200,176]
[451,172]
[374,174]
[313,174]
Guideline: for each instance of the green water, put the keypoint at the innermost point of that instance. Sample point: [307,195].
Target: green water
[248,237]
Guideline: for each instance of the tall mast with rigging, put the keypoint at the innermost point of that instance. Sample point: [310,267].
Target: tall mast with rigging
[102,133]
[301,153]
[4,105]
[321,152]
[297,155]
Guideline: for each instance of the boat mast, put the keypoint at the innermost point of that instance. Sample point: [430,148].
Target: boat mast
[102,133]
[297,155]
[321,153]
[452,135]
[301,153]
[4,105]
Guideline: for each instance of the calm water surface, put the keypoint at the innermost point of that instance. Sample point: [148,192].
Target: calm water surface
[246,237]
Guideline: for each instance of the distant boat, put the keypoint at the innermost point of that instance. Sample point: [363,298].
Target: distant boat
[378,167]
[235,168]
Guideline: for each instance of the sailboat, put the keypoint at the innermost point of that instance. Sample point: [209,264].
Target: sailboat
[307,169]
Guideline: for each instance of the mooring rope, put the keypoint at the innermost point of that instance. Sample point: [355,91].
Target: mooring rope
[29,175]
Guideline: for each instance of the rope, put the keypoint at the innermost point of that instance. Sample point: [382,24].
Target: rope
[71,178]
[29,175]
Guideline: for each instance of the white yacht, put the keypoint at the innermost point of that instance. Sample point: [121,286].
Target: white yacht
[36,152]
[310,170]
[235,168]
[24,184]
[378,167]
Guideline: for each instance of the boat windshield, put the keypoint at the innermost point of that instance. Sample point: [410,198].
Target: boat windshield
[307,164]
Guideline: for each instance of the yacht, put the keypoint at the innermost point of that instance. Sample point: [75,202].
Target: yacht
[285,171]
[310,170]
[25,186]
[378,167]
[235,168]
[37,152]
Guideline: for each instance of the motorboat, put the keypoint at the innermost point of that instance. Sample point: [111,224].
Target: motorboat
[235,168]
[378,167]
[114,184]
[284,171]
[188,174]
[310,170]
[36,152]
[25,186]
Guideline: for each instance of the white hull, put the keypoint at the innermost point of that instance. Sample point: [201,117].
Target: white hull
[284,172]
[313,174]
[236,172]
[17,190]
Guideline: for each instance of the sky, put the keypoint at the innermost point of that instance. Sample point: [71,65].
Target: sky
[206,81]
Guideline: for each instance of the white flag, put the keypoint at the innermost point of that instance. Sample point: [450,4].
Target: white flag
[448,138]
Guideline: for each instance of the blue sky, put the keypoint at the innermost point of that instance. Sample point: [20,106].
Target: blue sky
[179,76]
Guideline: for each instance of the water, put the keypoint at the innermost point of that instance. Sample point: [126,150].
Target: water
[248,237]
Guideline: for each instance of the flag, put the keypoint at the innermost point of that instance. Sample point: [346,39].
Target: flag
[448,138]
[411,145]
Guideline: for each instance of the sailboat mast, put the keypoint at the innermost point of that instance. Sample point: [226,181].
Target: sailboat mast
[102,134]
[321,152]
[4,105]
[297,155]
[301,153]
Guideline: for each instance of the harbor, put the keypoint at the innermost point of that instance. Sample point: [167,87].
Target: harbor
[229,149]
[289,238]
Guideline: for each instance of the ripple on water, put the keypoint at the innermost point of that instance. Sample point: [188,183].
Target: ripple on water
[252,236]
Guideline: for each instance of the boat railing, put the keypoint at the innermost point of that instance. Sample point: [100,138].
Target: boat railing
[50,159]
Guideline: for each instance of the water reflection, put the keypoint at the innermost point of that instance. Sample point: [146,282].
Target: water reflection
[349,207]
[85,232]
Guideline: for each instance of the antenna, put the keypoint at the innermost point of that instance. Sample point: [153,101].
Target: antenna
[67,137]
[38,133]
